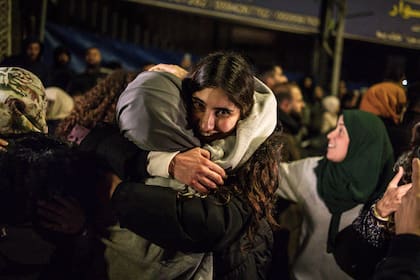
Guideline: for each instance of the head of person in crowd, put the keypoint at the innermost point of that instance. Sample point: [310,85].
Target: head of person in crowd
[342,89]
[186,62]
[23,102]
[93,58]
[289,98]
[272,74]
[98,104]
[284,98]
[387,102]
[357,166]
[297,99]
[60,105]
[331,104]
[219,92]
[61,56]
[32,49]
[350,100]
[318,93]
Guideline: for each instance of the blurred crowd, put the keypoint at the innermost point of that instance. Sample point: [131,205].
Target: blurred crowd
[258,176]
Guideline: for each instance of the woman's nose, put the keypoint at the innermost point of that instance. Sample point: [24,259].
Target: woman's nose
[207,122]
[330,135]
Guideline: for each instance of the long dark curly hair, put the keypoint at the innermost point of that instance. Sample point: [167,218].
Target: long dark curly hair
[256,182]
[98,104]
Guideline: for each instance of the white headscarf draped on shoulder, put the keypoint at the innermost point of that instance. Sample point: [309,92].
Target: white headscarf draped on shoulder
[152,114]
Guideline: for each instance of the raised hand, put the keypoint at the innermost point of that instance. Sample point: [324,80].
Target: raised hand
[392,198]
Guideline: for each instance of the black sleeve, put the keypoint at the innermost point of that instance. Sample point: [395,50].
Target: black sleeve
[402,261]
[127,160]
[187,224]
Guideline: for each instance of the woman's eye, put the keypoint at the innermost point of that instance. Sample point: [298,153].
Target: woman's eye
[223,113]
[198,106]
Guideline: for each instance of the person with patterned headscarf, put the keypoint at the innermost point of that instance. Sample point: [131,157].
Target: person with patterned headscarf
[23,102]
[36,167]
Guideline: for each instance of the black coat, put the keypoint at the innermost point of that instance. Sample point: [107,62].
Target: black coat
[182,223]
[402,261]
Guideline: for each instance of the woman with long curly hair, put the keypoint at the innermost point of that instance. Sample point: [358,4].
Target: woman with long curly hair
[97,105]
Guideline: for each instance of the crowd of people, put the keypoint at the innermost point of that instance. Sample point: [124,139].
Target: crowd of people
[209,172]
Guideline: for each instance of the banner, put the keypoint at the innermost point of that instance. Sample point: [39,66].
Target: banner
[395,22]
[296,16]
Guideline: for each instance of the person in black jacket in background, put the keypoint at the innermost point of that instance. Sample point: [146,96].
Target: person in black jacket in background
[403,258]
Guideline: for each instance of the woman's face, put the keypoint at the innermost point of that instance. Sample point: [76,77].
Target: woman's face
[214,115]
[338,142]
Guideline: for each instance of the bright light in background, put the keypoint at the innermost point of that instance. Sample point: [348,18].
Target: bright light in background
[404,82]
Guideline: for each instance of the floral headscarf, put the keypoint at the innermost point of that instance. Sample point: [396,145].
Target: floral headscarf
[23,102]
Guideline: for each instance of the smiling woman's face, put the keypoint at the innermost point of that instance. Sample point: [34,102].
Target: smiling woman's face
[338,142]
[214,115]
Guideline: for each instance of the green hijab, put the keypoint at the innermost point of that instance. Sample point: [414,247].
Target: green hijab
[365,172]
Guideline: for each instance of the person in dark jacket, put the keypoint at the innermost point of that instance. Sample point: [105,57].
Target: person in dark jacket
[60,72]
[216,103]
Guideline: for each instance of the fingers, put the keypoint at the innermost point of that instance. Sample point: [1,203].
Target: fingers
[199,187]
[397,178]
[49,216]
[404,189]
[205,153]
[213,166]
[68,203]
[3,145]
[157,67]
[53,226]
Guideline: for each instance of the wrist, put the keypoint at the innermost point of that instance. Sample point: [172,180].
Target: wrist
[171,167]
[378,214]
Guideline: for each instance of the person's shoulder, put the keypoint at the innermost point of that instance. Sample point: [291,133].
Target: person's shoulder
[156,80]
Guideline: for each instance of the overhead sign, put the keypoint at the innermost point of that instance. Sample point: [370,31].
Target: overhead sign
[394,22]
[295,16]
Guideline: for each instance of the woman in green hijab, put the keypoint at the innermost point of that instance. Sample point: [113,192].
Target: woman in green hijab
[332,190]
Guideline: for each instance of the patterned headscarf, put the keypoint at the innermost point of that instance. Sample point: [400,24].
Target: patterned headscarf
[23,102]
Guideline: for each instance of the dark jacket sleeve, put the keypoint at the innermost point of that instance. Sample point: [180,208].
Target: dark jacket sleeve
[402,261]
[127,160]
[188,224]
